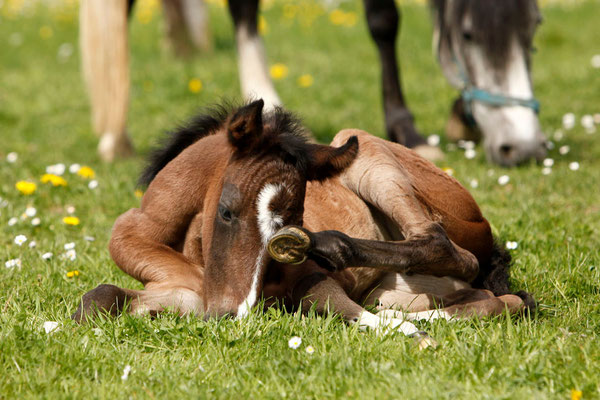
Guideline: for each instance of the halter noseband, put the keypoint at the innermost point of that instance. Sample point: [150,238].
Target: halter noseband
[471,93]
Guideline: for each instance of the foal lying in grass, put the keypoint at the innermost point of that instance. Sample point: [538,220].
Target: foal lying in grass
[241,205]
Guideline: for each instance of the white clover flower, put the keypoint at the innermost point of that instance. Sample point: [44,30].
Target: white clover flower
[470,154]
[474,183]
[548,162]
[13,221]
[69,246]
[56,169]
[30,211]
[47,256]
[503,179]
[93,184]
[568,121]
[12,157]
[51,326]
[511,245]
[36,221]
[32,244]
[89,238]
[15,262]
[20,239]
[595,61]
[126,372]
[433,140]
[74,168]
[546,171]
[310,349]
[294,342]
[574,166]
[562,150]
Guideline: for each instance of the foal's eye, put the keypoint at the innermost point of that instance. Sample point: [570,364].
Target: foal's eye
[225,214]
[467,36]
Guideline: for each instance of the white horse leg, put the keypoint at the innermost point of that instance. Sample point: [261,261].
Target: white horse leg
[195,13]
[187,26]
[105,61]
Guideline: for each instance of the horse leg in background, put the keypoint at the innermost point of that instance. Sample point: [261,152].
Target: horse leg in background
[105,62]
[254,74]
[187,26]
[459,127]
[383,20]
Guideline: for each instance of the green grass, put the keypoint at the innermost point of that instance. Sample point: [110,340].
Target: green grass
[44,117]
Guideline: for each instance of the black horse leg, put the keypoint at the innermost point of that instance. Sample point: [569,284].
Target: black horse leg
[383,20]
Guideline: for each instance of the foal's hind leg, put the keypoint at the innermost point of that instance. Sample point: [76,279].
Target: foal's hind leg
[105,62]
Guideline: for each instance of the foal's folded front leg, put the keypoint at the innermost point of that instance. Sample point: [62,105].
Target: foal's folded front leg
[431,253]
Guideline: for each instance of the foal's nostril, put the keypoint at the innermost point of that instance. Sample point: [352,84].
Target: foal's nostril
[506,150]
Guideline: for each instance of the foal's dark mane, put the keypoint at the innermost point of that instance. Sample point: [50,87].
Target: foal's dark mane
[282,129]
[492,20]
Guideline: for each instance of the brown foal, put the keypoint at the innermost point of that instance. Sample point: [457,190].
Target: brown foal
[240,205]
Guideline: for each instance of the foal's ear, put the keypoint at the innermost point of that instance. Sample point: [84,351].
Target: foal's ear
[326,161]
[245,126]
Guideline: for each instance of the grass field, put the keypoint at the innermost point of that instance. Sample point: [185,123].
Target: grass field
[44,118]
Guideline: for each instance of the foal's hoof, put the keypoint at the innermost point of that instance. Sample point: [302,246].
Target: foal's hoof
[423,340]
[289,245]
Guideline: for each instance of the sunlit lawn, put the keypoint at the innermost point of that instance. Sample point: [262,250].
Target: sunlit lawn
[44,118]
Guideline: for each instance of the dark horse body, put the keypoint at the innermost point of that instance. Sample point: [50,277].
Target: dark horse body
[241,206]
[483,47]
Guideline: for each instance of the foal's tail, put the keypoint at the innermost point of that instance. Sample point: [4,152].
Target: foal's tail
[495,277]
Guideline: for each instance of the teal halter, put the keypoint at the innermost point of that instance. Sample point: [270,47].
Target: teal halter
[471,93]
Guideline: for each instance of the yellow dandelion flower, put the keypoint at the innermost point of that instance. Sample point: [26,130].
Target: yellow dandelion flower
[305,80]
[448,170]
[278,71]
[46,32]
[26,187]
[72,274]
[71,221]
[195,85]
[55,180]
[138,193]
[337,17]
[576,394]
[86,172]
[263,27]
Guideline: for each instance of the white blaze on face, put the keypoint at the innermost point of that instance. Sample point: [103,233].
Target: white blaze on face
[268,223]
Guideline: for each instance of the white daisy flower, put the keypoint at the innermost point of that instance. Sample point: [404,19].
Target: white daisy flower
[587,121]
[30,211]
[310,349]
[20,239]
[294,342]
[574,166]
[568,121]
[93,184]
[70,255]
[126,372]
[503,179]
[511,245]
[32,244]
[47,256]
[548,162]
[74,168]
[51,326]
[433,140]
[56,169]
[16,262]
[13,221]
[546,171]
[595,61]
[89,238]
[36,221]
[69,246]
[470,154]
[12,157]
[562,150]
[474,183]
[70,209]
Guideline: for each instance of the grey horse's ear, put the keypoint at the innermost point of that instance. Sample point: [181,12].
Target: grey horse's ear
[442,47]
[245,126]
[327,161]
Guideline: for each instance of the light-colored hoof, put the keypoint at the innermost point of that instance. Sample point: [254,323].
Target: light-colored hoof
[431,153]
[424,341]
[289,245]
[112,146]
